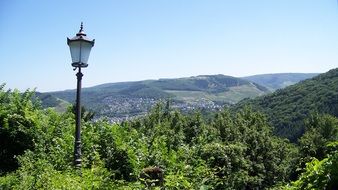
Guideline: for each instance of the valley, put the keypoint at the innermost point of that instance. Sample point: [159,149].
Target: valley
[126,100]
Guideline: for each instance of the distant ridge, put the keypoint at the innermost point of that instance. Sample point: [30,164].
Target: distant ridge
[279,80]
[128,99]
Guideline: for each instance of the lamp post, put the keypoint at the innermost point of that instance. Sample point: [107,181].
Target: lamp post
[80,47]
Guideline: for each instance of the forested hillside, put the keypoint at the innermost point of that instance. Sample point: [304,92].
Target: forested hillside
[163,150]
[287,108]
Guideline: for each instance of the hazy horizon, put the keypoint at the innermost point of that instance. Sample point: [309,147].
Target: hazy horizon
[74,88]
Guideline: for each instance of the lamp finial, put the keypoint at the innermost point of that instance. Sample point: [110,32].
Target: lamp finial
[81,27]
[81,32]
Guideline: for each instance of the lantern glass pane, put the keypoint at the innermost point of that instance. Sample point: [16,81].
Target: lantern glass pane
[75,51]
[85,51]
[80,51]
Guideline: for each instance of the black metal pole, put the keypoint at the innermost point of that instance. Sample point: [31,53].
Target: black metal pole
[77,145]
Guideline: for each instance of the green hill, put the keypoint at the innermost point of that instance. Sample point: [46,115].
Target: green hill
[50,101]
[287,108]
[279,80]
[133,98]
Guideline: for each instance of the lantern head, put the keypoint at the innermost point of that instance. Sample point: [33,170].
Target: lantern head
[80,47]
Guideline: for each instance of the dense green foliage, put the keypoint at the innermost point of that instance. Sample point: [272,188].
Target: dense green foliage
[319,175]
[18,117]
[288,108]
[165,149]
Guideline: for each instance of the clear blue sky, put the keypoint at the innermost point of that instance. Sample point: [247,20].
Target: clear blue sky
[151,39]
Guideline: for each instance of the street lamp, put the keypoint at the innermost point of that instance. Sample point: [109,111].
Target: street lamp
[80,47]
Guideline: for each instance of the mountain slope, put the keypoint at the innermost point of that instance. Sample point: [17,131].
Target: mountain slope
[279,80]
[287,108]
[50,101]
[134,98]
